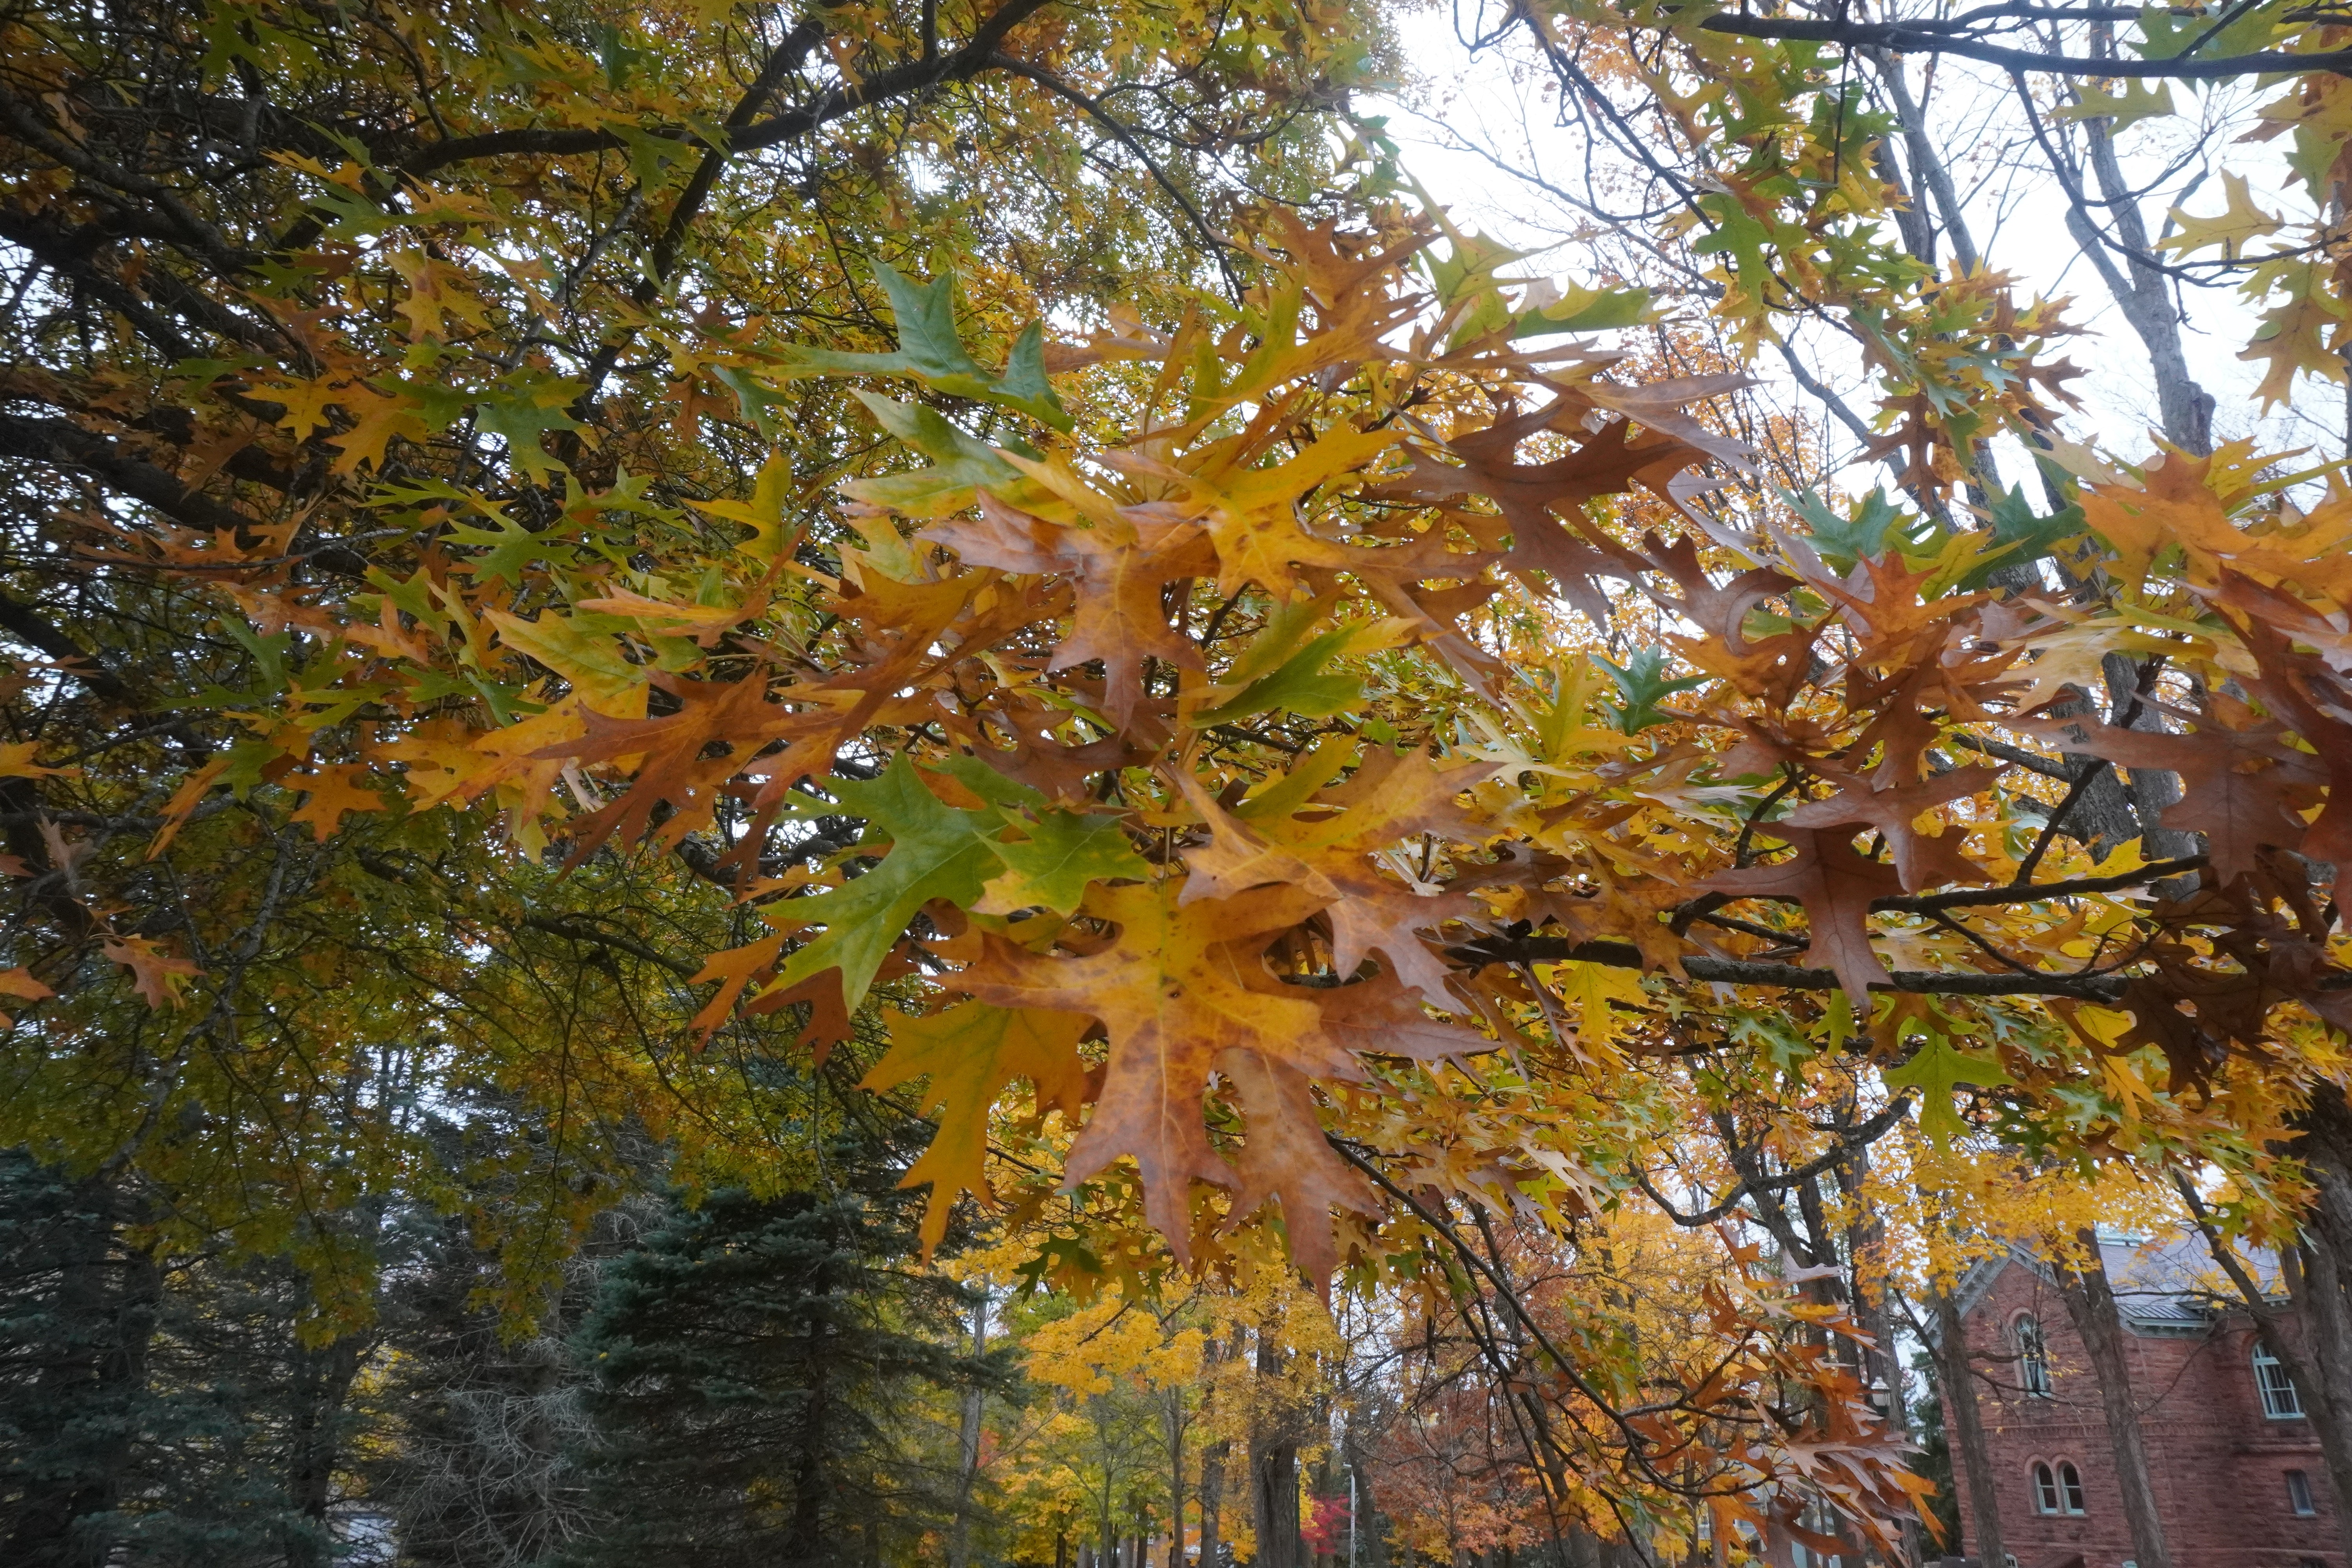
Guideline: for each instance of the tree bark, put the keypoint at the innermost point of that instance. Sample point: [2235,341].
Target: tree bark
[1965,1427]
[106,1303]
[2145,295]
[1171,1418]
[1212,1497]
[322,1383]
[2319,1276]
[1274,1464]
[968,1447]
[2091,1302]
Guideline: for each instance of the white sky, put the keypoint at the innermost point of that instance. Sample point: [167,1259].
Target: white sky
[2016,210]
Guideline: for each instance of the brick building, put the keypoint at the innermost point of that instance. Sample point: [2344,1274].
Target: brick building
[2237,1472]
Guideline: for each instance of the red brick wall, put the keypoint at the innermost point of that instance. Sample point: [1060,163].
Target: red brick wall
[2219,1466]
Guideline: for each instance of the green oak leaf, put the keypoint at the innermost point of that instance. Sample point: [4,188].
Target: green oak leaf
[1586,311]
[1865,534]
[1641,681]
[1298,684]
[2021,534]
[929,851]
[930,348]
[521,419]
[1935,1071]
[960,464]
[1063,853]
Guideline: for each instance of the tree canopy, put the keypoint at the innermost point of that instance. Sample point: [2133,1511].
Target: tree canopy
[727,583]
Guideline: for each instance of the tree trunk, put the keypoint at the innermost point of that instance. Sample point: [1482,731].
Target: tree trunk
[1965,1427]
[967,1444]
[1213,1496]
[105,1306]
[2320,1278]
[2091,1302]
[1274,1503]
[1171,1418]
[2145,297]
[322,1383]
[1274,1465]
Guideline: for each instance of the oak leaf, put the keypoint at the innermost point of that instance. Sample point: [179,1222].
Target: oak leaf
[1836,886]
[2243,786]
[159,976]
[330,794]
[1171,992]
[932,851]
[969,1054]
[1920,860]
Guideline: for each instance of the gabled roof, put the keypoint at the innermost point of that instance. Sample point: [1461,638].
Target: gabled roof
[2167,1285]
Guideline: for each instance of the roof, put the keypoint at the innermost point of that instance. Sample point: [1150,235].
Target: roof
[2163,1285]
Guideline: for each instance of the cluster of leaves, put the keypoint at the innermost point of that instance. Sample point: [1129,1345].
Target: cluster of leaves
[1151,747]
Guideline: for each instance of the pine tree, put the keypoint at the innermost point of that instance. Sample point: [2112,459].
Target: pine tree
[755,1360]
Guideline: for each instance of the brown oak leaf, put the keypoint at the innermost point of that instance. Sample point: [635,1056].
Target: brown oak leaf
[1172,991]
[2241,784]
[1836,886]
[1920,860]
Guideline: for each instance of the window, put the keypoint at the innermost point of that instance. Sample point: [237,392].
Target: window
[2057,1489]
[2280,1400]
[2298,1493]
[2033,1357]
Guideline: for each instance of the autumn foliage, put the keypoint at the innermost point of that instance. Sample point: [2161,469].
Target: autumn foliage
[1333,780]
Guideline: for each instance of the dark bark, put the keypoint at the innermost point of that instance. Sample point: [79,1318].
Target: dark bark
[2319,1275]
[1274,1465]
[2091,1303]
[1965,1427]
[322,1386]
[1212,1497]
[968,1447]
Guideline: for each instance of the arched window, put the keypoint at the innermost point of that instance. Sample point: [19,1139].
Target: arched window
[2069,1483]
[2280,1400]
[2045,1490]
[2033,1356]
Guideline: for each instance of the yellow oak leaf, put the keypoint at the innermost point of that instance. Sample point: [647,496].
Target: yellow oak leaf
[16,762]
[332,791]
[378,420]
[19,982]
[2239,221]
[969,1054]
[305,402]
[2299,336]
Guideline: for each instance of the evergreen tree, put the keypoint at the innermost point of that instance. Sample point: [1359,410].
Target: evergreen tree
[762,1368]
[155,1410]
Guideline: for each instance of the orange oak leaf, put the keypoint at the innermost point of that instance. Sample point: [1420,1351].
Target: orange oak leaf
[19,982]
[1348,838]
[969,1054]
[736,714]
[160,976]
[1170,991]
[1920,860]
[1117,568]
[1836,886]
[332,793]
[1285,1156]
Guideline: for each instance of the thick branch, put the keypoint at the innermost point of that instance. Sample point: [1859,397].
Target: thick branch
[67,445]
[1909,38]
[1789,976]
